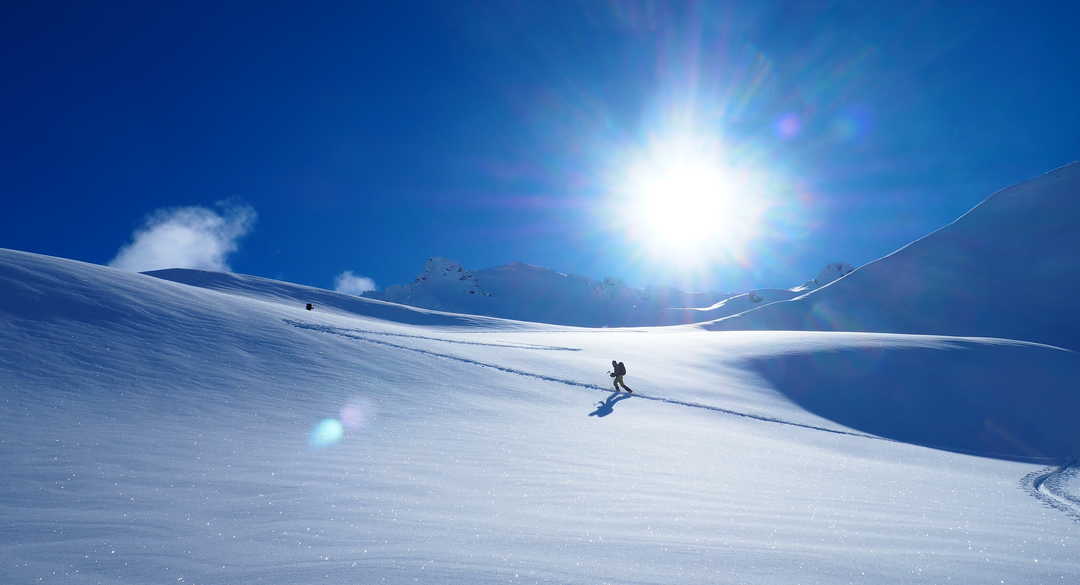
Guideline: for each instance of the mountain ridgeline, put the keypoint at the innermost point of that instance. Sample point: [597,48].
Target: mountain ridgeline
[1004,269]
[531,293]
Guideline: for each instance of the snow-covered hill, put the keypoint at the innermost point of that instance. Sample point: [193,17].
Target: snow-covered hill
[1007,268]
[298,295]
[216,432]
[532,293]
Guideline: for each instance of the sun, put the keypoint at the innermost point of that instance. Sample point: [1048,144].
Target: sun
[684,200]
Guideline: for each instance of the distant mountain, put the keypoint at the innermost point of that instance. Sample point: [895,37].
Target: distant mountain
[828,274]
[531,293]
[749,300]
[1004,269]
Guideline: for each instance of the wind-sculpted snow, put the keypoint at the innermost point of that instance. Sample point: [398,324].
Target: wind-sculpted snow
[1005,269]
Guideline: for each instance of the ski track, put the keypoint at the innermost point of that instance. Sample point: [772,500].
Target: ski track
[331,329]
[348,334]
[1048,486]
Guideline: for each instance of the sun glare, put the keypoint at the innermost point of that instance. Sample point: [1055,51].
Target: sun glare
[683,200]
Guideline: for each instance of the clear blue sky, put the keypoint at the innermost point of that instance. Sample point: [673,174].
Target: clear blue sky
[370,136]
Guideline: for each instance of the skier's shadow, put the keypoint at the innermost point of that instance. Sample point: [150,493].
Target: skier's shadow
[608,406]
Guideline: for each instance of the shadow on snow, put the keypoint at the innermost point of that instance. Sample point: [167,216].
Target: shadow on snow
[608,406]
[990,398]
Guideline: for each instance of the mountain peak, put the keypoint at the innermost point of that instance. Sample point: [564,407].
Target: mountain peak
[527,292]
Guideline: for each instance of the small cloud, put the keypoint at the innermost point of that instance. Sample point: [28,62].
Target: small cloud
[351,284]
[186,237]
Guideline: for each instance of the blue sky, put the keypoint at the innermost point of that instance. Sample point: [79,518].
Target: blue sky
[369,136]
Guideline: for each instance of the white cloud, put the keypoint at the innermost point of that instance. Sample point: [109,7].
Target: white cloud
[351,284]
[186,237]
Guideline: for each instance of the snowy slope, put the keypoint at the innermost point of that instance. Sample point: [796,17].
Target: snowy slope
[532,293]
[739,303]
[156,432]
[1004,269]
[297,295]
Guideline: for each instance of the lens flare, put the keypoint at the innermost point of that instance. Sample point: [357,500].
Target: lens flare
[357,413]
[328,432]
[789,126]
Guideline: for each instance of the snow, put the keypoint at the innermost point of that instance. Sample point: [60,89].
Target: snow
[532,293]
[204,428]
[1004,269]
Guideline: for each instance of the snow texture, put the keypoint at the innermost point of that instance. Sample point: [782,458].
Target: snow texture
[204,428]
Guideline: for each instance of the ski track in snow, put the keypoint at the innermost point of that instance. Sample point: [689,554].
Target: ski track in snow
[1045,485]
[348,333]
[330,329]
[1048,485]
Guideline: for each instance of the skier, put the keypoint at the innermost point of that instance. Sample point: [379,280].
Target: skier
[620,371]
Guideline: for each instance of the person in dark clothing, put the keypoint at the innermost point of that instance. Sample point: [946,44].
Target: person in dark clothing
[618,373]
